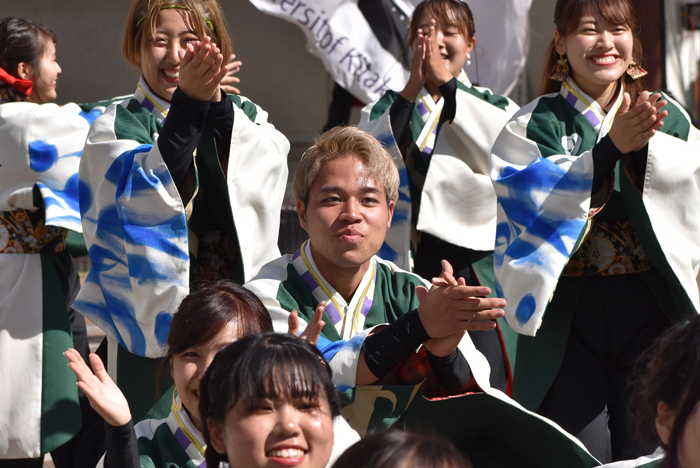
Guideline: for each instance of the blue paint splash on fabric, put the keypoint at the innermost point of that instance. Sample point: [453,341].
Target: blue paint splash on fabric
[42,155]
[329,348]
[90,116]
[387,253]
[84,196]
[525,309]
[155,237]
[69,194]
[162,327]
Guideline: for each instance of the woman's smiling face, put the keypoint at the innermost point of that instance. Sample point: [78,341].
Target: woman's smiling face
[599,53]
[454,46]
[277,433]
[160,60]
[188,367]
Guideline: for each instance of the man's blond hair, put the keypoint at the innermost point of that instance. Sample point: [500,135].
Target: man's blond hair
[347,141]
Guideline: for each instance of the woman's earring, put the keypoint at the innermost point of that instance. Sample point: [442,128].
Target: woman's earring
[635,71]
[560,70]
[468,62]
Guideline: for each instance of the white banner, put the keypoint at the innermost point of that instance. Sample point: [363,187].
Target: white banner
[339,34]
[502,43]
[682,57]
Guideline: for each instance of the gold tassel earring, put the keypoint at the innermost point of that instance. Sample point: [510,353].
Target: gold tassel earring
[560,70]
[635,71]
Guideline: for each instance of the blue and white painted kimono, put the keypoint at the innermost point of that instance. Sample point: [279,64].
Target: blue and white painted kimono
[41,149]
[542,171]
[136,223]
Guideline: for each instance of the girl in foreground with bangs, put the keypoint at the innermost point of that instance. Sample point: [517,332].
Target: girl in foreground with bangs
[209,320]
[268,400]
[596,244]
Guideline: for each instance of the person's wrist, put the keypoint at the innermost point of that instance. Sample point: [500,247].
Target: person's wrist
[411,91]
[218,96]
[421,313]
[442,78]
[438,353]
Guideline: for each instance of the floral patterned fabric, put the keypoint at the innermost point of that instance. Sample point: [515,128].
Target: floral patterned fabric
[217,257]
[25,232]
[611,248]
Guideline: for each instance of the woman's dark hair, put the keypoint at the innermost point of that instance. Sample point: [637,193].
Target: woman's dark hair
[21,41]
[669,372]
[207,310]
[450,12]
[265,366]
[567,15]
[397,449]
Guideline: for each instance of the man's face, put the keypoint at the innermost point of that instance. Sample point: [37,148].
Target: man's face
[347,215]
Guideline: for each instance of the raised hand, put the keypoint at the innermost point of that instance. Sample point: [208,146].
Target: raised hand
[633,127]
[417,79]
[202,70]
[313,328]
[443,346]
[435,68]
[227,84]
[104,395]
[446,277]
[447,310]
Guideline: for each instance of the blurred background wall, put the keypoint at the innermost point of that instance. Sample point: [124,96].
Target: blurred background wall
[277,73]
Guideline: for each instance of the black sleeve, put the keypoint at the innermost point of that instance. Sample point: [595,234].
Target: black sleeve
[400,116]
[391,345]
[122,446]
[449,93]
[220,119]
[452,372]
[605,156]
[180,134]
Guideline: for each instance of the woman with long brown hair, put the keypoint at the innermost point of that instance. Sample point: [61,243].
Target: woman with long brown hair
[596,248]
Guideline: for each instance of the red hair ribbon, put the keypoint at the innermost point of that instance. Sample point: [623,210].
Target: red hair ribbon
[23,86]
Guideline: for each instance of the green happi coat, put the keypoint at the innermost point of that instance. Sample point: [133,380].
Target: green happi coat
[500,433]
[172,442]
[445,187]
[385,293]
